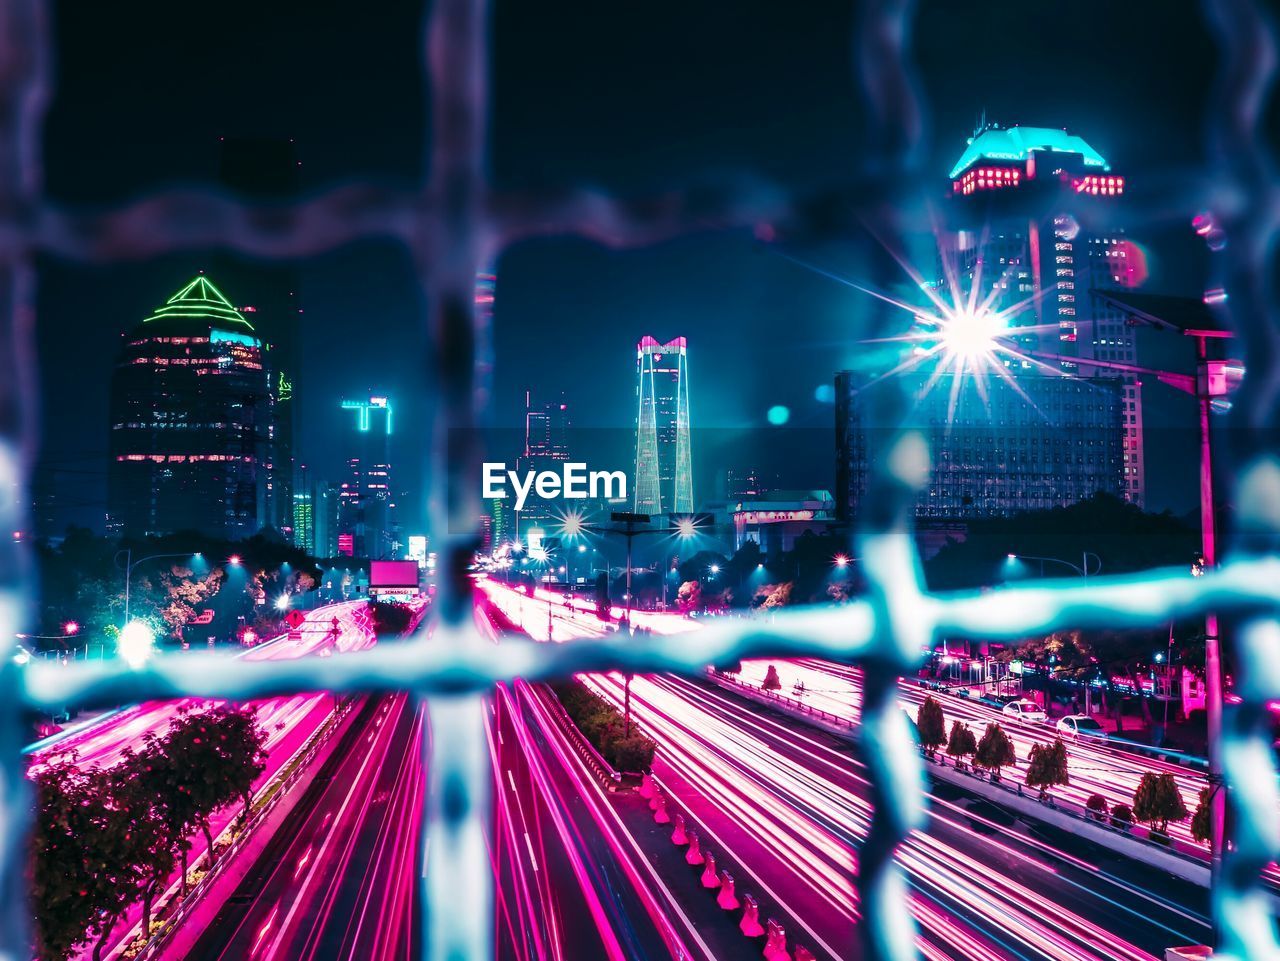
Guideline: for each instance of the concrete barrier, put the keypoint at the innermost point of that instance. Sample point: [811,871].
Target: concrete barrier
[710,879]
[694,854]
[804,954]
[775,945]
[678,836]
[660,815]
[727,899]
[750,923]
[655,799]
[646,786]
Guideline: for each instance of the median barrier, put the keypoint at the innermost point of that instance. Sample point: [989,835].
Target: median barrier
[750,923]
[804,954]
[660,815]
[727,899]
[775,945]
[694,854]
[646,786]
[678,836]
[710,880]
[655,799]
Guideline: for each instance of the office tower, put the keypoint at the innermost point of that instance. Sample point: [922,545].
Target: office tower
[664,463]
[191,412]
[1046,442]
[266,170]
[365,522]
[1038,209]
[325,516]
[545,447]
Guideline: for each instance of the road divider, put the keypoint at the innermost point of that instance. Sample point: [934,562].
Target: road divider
[678,836]
[750,924]
[775,945]
[727,898]
[710,879]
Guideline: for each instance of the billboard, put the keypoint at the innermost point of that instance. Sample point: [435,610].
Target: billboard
[393,575]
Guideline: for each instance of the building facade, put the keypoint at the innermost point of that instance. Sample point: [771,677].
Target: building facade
[664,460]
[1037,213]
[1047,442]
[191,416]
[366,525]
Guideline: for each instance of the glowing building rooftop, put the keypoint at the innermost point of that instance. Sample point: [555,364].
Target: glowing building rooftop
[200,301]
[1017,143]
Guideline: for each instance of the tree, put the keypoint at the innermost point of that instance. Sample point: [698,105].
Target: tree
[1201,821]
[689,597]
[1157,801]
[995,750]
[87,857]
[962,743]
[1047,766]
[154,838]
[159,775]
[932,725]
[771,680]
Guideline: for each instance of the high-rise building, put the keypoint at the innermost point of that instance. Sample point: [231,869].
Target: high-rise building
[325,516]
[1044,442]
[664,461]
[545,447]
[1038,213]
[191,413]
[267,169]
[365,520]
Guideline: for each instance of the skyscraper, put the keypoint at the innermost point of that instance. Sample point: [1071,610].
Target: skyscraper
[664,462]
[1044,442]
[191,413]
[545,446]
[266,169]
[364,497]
[1037,207]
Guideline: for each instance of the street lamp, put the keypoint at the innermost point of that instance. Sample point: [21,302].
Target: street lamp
[1082,568]
[130,564]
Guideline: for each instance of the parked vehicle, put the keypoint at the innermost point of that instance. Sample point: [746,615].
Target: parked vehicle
[1080,725]
[1025,710]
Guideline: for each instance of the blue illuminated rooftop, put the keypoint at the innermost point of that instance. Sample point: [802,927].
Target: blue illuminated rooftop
[1016,143]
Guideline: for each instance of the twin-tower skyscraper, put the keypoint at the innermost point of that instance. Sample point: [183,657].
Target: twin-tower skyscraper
[664,461]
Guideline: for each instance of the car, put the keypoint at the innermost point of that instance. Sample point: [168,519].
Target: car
[1080,725]
[1025,710]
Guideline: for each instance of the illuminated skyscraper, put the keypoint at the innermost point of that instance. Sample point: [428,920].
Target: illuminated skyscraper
[664,463]
[365,501]
[1038,212]
[191,413]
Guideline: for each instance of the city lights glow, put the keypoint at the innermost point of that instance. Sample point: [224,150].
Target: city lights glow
[234,560]
[136,643]
[282,602]
[71,627]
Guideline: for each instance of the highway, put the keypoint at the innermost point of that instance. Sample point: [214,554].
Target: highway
[287,721]
[338,881]
[789,803]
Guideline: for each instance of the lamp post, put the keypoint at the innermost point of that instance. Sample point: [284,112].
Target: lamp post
[130,564]
[1210,382]
[1082,569]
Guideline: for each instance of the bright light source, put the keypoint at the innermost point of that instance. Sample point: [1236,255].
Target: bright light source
[1012,557]
[22,657]
[842,560]
[234,560]
[715,568]
[539,554]
[198,555]
[571,524]
[686,527]
[972,334]
[71,627]
[282,602]
[136,643]
[248,637]
[582,548]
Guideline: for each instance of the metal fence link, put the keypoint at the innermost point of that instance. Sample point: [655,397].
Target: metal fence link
[456,227]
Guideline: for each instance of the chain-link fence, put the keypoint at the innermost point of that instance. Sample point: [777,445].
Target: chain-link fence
[455,227]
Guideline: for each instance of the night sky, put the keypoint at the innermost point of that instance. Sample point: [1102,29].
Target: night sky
[636,97]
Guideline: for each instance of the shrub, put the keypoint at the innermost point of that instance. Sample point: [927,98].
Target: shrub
[1047,766]
[962,743]
[632,755]
[1096,806]
[605,728]
[1157,801]
[995,750]
[1122,817]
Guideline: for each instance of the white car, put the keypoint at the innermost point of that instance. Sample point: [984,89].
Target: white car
[1080,725]
[1025,710]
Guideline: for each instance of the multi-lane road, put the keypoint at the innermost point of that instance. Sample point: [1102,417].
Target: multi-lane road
[789,804]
